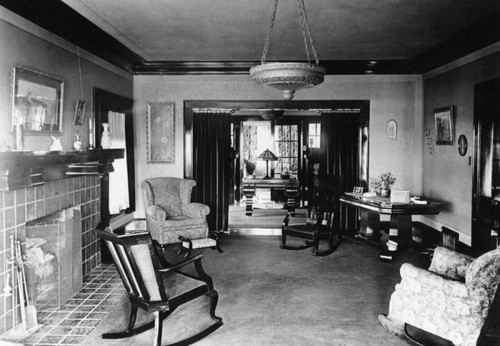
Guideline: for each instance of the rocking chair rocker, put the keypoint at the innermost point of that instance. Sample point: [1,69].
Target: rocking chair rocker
[156,286]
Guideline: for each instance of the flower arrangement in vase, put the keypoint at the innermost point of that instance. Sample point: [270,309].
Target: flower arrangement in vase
[382,184]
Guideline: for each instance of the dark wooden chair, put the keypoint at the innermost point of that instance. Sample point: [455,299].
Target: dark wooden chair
[321,223]
[156,286]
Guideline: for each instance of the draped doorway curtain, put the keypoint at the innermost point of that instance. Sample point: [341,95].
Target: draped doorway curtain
[340,155]
[212,165]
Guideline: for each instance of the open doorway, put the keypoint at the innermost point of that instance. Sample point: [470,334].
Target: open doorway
[296,151]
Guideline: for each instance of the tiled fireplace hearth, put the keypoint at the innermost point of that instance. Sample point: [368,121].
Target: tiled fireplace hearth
[34,185]
[22,205]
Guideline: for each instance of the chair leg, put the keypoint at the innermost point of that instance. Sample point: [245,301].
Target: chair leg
[283,239]
[132,318]
[158,328]
[215,235]
[214,297]
[316,246]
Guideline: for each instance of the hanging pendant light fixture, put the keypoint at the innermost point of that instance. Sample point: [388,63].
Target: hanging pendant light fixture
[289,76]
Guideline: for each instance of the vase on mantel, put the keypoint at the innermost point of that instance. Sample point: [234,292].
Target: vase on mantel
[105,137]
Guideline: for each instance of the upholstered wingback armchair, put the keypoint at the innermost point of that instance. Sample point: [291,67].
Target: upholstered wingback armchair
[451,299]
[169,211]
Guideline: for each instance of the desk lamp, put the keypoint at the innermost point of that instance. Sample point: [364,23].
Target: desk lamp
[267,156]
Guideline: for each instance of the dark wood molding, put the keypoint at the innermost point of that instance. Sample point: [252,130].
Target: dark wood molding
[479,35]
[21,169]
[60,19]
[333,67]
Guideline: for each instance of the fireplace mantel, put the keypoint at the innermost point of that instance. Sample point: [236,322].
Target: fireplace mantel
[20,169]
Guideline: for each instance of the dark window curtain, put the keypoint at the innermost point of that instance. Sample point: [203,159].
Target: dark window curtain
[339,155]
[212,165]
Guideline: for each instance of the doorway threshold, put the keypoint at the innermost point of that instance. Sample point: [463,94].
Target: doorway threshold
[255,231]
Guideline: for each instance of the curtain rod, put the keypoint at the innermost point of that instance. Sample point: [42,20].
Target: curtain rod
[317,110]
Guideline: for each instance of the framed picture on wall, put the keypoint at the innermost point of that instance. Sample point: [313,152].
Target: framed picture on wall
[160,132]
[392,130]
[37,101]
[444,125]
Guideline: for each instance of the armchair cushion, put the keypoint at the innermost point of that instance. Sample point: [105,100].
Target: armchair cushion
[450,263]
[167,195]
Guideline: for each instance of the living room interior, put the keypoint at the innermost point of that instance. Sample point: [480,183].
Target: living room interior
[393,70]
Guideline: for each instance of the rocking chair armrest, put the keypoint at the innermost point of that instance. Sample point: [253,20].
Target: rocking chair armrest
[181,264]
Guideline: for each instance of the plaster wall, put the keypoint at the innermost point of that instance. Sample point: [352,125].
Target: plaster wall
[391,97]
[447,176]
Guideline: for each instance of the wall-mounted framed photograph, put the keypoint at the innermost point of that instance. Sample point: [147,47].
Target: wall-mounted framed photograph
[392,130]
[444,125]
[160,132]
[37,101]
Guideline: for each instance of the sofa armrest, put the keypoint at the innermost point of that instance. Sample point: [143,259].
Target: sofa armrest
[196,210]
[450,263]
[156,212]
[420,278]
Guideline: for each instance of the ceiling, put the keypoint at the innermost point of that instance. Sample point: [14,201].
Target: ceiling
[217,36]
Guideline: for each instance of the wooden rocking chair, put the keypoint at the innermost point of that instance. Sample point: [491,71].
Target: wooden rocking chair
[321,223]
[156,286]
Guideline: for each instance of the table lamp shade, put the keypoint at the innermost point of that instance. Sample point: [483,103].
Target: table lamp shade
[267,156]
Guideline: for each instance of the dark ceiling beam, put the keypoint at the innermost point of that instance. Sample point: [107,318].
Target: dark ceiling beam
[479,35]
[61,20]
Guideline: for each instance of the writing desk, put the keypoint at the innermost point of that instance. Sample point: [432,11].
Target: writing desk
[289,186]
[400,229]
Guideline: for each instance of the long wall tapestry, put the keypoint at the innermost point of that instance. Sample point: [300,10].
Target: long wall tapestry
[161,135]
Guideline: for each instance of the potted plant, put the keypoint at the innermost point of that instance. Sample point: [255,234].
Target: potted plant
[382,184]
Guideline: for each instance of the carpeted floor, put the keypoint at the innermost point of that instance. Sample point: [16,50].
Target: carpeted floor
[260,218]
[270,296]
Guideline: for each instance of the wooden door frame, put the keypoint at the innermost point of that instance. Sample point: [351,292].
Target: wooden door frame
[484,94]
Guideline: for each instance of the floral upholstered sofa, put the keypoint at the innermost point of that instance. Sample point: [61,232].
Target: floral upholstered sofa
[451,299]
